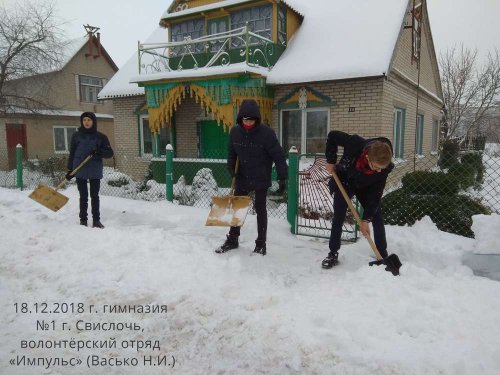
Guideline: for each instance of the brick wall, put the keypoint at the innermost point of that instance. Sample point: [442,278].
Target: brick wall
[365,96]
[126,129]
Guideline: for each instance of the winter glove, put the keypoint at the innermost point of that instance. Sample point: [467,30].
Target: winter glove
[69,176]
[94,152]
[281,187]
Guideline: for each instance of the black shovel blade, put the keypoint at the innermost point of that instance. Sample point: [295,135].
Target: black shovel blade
[392,264]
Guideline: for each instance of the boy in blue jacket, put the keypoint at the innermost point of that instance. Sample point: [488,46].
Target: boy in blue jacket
[88,141]
[363,170]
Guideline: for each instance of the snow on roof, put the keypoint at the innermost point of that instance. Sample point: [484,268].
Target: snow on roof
[340,39]
[56,112]
[119,85]
[202,72]
[203,8]
[220,4]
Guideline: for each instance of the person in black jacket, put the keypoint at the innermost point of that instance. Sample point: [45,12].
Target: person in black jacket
[363,171]
[88,141]
[256,147]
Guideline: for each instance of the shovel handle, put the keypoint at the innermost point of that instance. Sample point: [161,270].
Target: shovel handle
[73,172]
[233,180]
[355,213]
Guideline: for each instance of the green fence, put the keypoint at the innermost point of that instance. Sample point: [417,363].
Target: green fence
[449,188]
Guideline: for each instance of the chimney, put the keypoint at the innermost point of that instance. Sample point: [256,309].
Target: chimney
[91,31]
[89,42]
[98,45]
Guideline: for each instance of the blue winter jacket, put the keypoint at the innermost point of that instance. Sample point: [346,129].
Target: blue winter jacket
[83,143]
[256,150]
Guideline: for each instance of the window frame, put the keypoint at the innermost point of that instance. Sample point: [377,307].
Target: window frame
[83,98]
[198,47]
[435,136]
[141,138]
[419,135]
[303,128]
[155,152]
[67,141]
[398,135]
[236,42]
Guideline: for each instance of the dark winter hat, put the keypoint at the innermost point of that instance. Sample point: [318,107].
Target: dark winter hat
[92,116]
[249,109]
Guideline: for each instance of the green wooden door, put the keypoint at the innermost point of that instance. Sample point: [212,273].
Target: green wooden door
[213,140]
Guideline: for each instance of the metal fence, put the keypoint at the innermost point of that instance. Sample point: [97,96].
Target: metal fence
[449,188]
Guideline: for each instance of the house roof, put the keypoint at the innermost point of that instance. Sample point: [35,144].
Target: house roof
[340,39]
[220,4]
[119,85]
[73,46]
[212,71]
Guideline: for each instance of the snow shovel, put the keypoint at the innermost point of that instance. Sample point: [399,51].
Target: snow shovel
[392,262]
[229,210]
[51,198]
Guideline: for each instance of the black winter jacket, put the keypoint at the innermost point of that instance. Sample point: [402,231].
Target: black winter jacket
[256,150]
[368,188]
[83,143]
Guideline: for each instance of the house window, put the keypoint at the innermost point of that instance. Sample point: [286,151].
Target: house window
[89,88]
[193,29]
[217,26]
[282,25]
[151,144]
[398,141]
[62,138]
[259,21]
[435,136]
[419,135]
[305,129]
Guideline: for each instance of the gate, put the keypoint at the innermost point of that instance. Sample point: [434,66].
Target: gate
[315,203]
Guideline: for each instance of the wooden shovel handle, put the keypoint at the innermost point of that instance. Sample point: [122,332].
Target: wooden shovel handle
[355,213]
[73,172]
[233,180]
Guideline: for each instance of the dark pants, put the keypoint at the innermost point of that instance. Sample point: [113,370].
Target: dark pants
[95,185]
[260,209]
[339,212]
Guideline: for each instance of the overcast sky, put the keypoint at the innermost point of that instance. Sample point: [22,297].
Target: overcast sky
[122,23]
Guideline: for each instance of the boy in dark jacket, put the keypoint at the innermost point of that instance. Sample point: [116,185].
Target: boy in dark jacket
[363,171]
[88,141]
[256,147]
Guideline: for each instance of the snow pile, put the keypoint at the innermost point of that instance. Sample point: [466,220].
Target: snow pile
[241,314]
[485,230]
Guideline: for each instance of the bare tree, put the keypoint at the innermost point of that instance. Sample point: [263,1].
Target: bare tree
[31,44]
[469,90]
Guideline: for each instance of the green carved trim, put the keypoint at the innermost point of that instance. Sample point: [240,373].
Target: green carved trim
[219,90]
[155,93]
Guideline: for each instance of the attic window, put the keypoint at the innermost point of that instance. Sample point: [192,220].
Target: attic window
[416,30]
[282,25]
[89,88]
[259,21]
[193,29]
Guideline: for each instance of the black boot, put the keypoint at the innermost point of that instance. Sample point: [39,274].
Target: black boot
[230,244]
[97,224]
[331,260]
[260,247]
[83,222]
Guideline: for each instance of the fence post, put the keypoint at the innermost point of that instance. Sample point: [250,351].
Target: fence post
[19,166]
[293,187]
[169,170]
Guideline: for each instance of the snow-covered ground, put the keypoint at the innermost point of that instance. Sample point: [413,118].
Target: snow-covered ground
[235,313]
